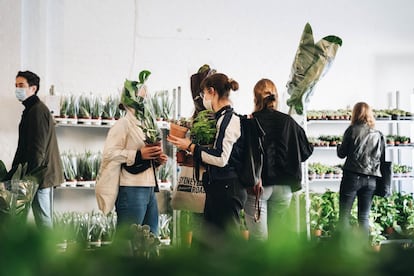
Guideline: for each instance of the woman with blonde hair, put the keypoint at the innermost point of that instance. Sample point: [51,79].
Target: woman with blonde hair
[285,147]
[363,147]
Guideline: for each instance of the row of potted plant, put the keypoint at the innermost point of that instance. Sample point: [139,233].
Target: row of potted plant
[340,114]
[397,140]
[87,228]
[345,114]
[325,140]
[318,170]
[401,170]
[89,109]
[392,114]
[80,169]
[162,105]
[334,140]
[94,229]
[390,218]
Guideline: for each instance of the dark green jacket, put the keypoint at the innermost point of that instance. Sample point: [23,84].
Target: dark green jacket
[37,142]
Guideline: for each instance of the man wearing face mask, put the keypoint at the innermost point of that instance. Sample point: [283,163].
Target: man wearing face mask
[37,146]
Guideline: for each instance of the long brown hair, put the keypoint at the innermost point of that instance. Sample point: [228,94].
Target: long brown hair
[362,113]
[265,95]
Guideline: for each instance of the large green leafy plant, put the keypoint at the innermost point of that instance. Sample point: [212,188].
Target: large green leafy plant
[143,111]
[17,189]
[311,62]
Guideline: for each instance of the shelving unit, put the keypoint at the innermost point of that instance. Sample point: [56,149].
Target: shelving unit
[393,153]
[79,136]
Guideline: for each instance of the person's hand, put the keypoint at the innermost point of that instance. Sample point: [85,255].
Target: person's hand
[162,159]
[181,143]
[150,152]
[256,190]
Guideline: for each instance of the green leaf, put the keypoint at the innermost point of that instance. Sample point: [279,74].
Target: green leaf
[18,173]
[3,171]
[143,76]
[333,39]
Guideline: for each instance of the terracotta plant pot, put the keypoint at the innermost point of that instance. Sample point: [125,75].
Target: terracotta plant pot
[188,238]
[245,234]
[178,131]
[188,161]
[389,230]
[317,232]
[180,156]
[376,247]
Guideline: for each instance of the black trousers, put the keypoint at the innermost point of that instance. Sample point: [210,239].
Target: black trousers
[224,201]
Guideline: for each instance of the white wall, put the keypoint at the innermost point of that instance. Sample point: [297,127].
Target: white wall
[83,46]
[10,109]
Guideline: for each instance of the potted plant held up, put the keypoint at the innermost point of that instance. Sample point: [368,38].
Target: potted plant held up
[179,128]
[203,130]
[134,93]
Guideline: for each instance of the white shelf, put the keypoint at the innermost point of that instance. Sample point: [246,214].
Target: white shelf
[161,125]
[58,124]
[311,122]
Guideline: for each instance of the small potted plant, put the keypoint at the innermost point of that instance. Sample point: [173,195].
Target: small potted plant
[96,110]
[203,130]
[84,110]
[390,139]
[404,140]
[73,110]
[376,236]
[311,172]
[164,174]
[69,164]
[165,104]
[180,127]
[64,106]
[109,110]
[164,226]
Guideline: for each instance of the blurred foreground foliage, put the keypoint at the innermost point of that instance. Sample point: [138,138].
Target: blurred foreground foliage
[26,251]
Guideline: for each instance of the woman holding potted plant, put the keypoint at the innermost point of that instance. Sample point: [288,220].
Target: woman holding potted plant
[225,196]
[127,176]
[363,147]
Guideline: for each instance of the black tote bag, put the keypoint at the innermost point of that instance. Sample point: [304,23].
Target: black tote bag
[383,187]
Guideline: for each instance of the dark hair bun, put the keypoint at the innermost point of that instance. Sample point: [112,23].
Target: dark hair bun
[233,85]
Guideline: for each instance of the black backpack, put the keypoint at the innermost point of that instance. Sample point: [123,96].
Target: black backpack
[252,138]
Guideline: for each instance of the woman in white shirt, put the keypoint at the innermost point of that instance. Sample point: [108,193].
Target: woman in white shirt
[225,196]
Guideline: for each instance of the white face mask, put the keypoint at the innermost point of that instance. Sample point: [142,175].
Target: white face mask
[207,104]
[20,93]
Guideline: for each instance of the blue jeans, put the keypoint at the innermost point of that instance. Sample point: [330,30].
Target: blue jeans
[274,203]
[42,207]
[137,205]
[356,185]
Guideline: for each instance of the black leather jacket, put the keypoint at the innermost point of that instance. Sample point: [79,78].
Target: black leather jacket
[363,148]
[286,147]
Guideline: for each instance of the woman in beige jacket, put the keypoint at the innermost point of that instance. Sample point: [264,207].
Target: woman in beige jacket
[127,180]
